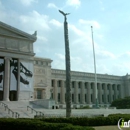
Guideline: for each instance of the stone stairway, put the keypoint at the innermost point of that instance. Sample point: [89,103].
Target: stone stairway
[25,109]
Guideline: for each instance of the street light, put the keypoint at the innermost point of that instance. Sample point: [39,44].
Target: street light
[68,76]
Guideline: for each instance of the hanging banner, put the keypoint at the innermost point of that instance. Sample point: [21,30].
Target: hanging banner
[1,73]
[26,76]
[13,74]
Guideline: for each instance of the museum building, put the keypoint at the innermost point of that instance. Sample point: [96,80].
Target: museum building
[26,77]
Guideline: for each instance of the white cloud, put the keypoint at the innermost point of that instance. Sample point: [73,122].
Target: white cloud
[102,54]
[75,3]
[28,2]
[56,23]
[35,21]
[95,24]
[52,5]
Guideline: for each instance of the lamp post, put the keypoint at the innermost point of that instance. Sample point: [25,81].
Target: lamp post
[96,99]
[68,76]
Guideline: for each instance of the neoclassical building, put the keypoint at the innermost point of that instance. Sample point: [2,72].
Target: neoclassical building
[109,87]
[26,77]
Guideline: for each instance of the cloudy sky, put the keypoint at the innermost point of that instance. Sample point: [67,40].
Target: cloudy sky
[111,31]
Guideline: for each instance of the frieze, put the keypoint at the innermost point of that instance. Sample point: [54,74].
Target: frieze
[2,42]
[40,71]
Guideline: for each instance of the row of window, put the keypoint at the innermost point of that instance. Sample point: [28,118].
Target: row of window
[92,85]
[85,96]
[40,63]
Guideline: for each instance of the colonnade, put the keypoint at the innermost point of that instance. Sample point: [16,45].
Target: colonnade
[84,92]
[6,79]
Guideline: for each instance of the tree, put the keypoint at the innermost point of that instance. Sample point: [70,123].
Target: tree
[121,103]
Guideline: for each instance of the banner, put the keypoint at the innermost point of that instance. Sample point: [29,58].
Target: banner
[26,76]
[13,74]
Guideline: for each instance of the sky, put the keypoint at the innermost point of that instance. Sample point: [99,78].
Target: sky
[111,31]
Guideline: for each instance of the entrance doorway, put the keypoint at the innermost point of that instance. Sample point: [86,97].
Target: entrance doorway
[1,95]
[13,95]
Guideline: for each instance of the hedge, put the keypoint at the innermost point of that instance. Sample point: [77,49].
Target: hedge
[36,124]
[97,121]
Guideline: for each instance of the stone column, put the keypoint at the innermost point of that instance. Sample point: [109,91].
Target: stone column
[76,92]
[100,93]
[55,91]
[82,93]
[62,92]
[110,93]
[88,93]
[94,93]
[105,93]
[18,81]
[6,79]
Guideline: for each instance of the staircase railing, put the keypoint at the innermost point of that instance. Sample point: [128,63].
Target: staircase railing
[40,113]
[14,114]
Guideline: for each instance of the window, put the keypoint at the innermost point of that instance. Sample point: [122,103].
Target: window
[85,98]
[79,97]
[102,98]
[85,85]
[39,94]
[118,87]
[73,84]
[79,85]
[91,97]
[52,83]
[58,97]
[59,83]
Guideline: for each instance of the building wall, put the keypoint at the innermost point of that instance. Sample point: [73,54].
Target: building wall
[109,87]
[16,49]
[42,78]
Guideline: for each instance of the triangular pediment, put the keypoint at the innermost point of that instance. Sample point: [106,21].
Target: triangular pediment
[7,30]
[41,83]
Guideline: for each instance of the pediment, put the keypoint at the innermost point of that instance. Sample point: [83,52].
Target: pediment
[7,30]
[42,84]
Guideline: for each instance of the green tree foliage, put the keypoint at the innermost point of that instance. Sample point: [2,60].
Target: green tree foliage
[121,103]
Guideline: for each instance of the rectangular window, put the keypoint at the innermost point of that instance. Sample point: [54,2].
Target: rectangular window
[91,97]
[79,85]
[85,98]
[51,95]
[102,98]
[72,84]
[39,94]
[79,97]
[58,97]
[52,83]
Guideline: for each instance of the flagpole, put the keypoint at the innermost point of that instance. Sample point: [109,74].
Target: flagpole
[95,88]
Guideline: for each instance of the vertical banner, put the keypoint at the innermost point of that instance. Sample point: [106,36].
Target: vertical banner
[13,74]
[1,73]
[26,76]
